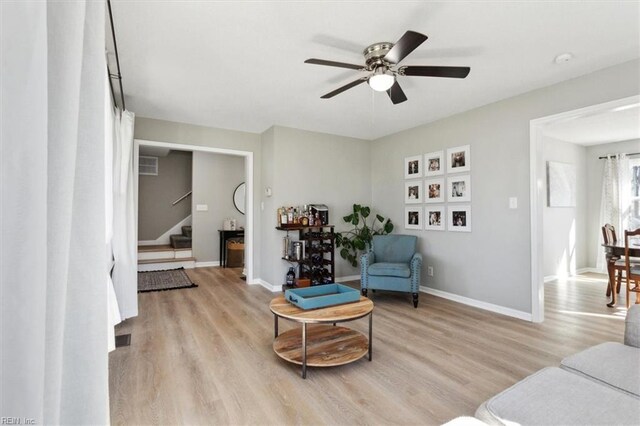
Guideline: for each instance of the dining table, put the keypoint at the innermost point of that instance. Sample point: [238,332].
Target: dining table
[614,252]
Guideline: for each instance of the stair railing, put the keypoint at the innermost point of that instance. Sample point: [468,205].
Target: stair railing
[181,198]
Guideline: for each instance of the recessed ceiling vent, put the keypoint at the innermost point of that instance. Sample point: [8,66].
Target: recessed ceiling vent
[148,165]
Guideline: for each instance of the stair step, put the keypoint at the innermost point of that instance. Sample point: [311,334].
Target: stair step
[165,254]
[186,231]
[184,259]
[165,264]
[180,241]
[155,247]
[161,247]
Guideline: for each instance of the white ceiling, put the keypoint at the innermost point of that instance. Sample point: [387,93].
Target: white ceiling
[620,124]
[239,65]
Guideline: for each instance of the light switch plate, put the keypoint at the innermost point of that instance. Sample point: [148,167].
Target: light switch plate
[202,207]
[513,202]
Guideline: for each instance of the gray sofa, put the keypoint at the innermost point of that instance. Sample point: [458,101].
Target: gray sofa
[600,385]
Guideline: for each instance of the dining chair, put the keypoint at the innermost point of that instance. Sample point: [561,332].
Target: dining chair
[609,234]
[632,270]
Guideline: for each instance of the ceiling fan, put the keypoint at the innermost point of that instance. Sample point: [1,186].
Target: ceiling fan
[381,64]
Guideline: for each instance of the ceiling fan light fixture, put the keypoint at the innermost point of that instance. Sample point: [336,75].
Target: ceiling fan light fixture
[381,80]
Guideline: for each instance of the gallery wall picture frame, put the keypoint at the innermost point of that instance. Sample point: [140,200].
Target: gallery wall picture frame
[413,167]
[459,218]
[459,188]
[434,190]
[434,163]
[413,217]
[435,218]
[459,159]
[413,192]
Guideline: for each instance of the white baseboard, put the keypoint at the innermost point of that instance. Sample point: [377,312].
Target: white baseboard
[271,287]
[590,270]
[580,271]
[165,238]
[348,278]
[207,264]
[478,304]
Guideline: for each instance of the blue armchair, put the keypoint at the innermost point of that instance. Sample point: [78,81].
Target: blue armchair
[392,264]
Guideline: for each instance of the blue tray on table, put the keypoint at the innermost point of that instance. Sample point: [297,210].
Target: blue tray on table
[321,296]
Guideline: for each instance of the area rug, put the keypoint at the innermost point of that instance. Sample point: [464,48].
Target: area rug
[172,279]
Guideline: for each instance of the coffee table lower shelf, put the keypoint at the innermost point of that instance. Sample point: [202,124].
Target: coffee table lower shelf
[327,345]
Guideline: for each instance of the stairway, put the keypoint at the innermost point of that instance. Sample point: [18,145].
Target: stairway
[163,257]
[181,241]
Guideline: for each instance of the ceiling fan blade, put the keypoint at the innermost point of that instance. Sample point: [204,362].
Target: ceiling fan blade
[407,44]
[428,71]
[333,64]
[396,94]
[343,88]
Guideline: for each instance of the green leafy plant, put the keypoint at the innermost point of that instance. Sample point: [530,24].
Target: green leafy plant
[359,238]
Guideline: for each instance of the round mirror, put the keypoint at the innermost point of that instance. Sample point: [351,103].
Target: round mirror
[239,197]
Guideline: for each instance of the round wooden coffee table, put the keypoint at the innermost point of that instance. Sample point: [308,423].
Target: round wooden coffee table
[322,343]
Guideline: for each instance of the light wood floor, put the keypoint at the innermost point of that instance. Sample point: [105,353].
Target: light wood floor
[204,356]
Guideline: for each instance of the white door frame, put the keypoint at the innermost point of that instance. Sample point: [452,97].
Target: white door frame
[537,189]
[248,174]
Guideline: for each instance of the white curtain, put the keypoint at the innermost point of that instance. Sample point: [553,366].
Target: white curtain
[54,299]
[125,272]
[616,199]
[113,310]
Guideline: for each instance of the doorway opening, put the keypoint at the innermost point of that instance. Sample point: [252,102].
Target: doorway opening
[539,190]
[202,154]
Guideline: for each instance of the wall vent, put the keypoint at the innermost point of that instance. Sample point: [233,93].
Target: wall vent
[148,166]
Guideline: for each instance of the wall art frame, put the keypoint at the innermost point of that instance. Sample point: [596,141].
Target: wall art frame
[435,218]
[459,218]
[459,188]
[413,217]
[459,159]
[413,167]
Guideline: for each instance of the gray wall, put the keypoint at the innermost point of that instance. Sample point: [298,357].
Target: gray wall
[565,228]
[594,178]
[215,177]
[156,214]
[491,264]
[304,167]
[188,134]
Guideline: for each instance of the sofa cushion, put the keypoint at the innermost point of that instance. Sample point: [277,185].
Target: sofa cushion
[553,396]
[387,269]
[613,363]
[632,327]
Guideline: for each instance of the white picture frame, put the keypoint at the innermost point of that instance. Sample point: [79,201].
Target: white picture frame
[561,184]
[435,218]
[434,163]
[413,217]
[459,189]
[413,167]
[413,192]
[459,159]
[434,190]
[459,218]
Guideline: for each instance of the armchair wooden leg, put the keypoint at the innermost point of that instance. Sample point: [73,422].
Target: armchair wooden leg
[364,292]
[415,299]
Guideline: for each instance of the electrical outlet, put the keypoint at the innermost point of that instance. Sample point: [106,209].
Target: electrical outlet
[430,271]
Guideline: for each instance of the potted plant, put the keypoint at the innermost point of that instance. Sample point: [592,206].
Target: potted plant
[359,238]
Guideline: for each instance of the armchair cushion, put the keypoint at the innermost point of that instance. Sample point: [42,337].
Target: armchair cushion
[387,269]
